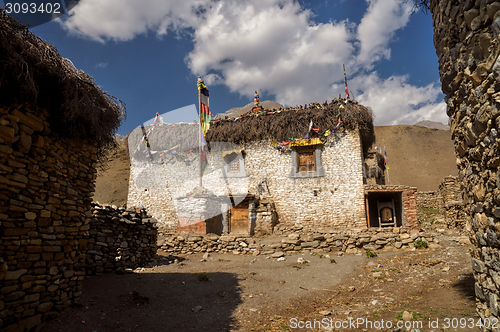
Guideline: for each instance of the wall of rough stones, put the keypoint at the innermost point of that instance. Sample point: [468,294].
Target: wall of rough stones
[336,199]
[297,238]
[466,39]
[447,199]
[119,239]
[46,187]
[451,193]
[429,199]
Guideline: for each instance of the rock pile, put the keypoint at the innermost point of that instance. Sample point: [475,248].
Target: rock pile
[119,238]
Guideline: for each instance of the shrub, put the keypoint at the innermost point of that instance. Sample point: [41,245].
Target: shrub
[419,244]
[370,254]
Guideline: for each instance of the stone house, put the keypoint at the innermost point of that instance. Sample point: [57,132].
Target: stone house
[295,166]
[54,123]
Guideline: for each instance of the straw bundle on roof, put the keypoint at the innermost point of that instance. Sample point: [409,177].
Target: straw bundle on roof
[34,75]
[282,125]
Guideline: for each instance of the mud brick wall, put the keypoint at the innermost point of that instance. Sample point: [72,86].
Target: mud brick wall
[46,187]
[119,239]
[466,37]
[296,239]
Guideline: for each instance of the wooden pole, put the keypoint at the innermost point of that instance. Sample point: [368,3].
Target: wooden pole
[201,133]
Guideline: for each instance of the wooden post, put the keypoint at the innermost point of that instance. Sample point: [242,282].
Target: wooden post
[201,133]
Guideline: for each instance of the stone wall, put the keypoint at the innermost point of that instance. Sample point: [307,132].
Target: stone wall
[119,239]
[334,199]
[447,199]
[297,238]
[451,193]
[466,39]
[46,187]
[430,199]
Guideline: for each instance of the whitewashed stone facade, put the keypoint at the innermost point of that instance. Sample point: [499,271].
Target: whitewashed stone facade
[335,199]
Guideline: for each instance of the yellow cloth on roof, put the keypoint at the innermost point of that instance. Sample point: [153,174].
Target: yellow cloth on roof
[225,153]
[306,142]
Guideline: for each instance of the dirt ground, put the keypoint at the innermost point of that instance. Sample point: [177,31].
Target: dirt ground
[257,293]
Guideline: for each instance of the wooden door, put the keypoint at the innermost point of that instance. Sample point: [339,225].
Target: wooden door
[239,219]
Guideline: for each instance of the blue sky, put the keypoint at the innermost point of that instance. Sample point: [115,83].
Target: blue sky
[149,54]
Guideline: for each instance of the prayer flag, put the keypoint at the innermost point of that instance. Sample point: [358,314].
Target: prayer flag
[385,160]
[345,82]
[205,115]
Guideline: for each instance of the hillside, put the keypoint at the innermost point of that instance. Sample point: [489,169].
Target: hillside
[417,156]
[111,186]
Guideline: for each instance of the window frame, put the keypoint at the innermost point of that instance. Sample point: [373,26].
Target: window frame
[318,171]
[227,173]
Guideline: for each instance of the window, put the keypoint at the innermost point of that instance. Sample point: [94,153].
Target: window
[306,161]
[234,165]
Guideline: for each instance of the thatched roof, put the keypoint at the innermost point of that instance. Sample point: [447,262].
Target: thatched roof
[283,124]
[34,75]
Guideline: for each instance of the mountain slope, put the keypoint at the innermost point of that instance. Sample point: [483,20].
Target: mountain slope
[417,156]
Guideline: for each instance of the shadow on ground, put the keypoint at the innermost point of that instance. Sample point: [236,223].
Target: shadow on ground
[153,302]
[466,285]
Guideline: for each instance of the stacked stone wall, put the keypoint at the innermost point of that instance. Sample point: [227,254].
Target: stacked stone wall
[447,199]
[299,239]
[466,37]
[429,199]
[451,193]
[46,188]
[120,239]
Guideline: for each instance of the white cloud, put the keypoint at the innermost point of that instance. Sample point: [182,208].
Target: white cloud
[277,50]
[123,20]
[273,46]
[101,65]
[377,28]
[395,101]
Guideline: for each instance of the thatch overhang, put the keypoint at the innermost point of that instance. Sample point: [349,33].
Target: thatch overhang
[34,75]
[285,124]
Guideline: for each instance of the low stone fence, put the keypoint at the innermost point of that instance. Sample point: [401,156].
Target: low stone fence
[119,239]
[296,240]
[453,205]
[430,199]
[448,200]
